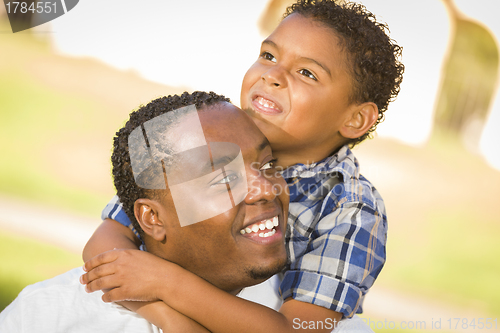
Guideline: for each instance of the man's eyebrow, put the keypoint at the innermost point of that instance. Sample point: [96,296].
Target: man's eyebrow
[218,162]
[265,143]
[325,68]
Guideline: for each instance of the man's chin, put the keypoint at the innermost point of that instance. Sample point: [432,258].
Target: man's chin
[260,274]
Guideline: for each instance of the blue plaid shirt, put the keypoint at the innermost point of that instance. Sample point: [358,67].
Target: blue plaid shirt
[336,233]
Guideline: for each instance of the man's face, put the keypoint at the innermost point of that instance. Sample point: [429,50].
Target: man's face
[230,249]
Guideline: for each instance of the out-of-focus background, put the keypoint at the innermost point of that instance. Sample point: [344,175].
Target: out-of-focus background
[66,86]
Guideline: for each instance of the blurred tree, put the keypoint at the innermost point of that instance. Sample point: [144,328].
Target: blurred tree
[273,14]
[3,12]
[21,21]
[469,77]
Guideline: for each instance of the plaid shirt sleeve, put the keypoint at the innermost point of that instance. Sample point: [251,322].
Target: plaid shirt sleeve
[114,210]
[341,260]
[336,234]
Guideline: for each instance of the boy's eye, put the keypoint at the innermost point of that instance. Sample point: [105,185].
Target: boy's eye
[268,56]
[226,180]
[307,73]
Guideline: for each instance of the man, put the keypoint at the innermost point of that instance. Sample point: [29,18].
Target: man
[160,172]
[196,178]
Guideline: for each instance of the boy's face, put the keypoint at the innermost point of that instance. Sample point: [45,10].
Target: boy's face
[298,90]
[216,248]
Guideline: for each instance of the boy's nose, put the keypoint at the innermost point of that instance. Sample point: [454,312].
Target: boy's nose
[274,77]
[260,188]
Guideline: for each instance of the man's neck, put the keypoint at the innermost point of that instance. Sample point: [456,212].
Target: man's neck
[235,292]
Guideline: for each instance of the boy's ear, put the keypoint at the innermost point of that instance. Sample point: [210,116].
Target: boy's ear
[146,213]
[363,116]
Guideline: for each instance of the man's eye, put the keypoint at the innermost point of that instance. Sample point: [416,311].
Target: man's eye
[268,56]
[268,165]
[307,73]
[226,180]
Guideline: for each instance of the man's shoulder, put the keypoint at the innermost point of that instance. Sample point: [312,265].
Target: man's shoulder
[61,304]
[68,279]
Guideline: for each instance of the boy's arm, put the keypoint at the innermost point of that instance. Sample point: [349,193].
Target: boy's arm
[108,236]
[112,234]
[235,314]
[164,317]
[194,297]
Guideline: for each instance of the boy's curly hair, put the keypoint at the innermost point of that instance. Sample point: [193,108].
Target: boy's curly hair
[372,56]
[126,188]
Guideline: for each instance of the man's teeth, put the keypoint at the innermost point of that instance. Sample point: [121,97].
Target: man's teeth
[266,103]
[261,226]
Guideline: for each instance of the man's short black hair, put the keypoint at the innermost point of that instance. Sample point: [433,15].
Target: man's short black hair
[126,188]
[372,56]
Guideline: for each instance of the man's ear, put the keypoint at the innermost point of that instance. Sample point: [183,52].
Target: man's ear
[146,213]
[362,117]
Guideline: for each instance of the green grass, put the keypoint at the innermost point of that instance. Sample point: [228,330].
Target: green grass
[25,262]
[456,261]
[27,133]
[38,119]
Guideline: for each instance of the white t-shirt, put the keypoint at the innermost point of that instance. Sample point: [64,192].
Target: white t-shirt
[62,305]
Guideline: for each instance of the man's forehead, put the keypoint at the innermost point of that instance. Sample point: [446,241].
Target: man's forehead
[186,134]
[181,137]
[210,123]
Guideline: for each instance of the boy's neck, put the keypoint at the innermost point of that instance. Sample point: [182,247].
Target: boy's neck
[286,159]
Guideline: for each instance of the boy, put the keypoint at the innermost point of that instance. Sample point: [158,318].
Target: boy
[322,83]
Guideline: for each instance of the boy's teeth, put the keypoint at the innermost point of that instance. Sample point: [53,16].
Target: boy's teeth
[266,103]
[268,224]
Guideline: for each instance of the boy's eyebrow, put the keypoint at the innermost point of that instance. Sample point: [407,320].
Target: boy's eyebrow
[317,63]
[273,44]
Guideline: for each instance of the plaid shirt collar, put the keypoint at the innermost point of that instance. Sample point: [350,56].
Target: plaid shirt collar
[342,162]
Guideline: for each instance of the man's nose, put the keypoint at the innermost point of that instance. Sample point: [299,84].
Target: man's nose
[275,77]
[260,188]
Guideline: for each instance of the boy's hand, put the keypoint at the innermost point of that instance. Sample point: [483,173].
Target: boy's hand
[125,275]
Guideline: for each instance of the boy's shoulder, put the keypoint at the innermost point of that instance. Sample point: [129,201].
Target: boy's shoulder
[336,179]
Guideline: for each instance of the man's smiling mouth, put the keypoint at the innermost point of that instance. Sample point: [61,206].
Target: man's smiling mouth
[264,228]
